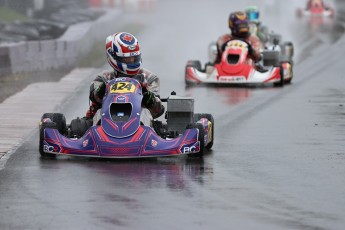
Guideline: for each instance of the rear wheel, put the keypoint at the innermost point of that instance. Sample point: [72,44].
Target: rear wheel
[79,126]
[291,72]
[288,50]
[200,138]
[197,117]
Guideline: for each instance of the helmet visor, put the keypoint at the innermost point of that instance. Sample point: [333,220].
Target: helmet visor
[253,16]
[127,60]
[242,26]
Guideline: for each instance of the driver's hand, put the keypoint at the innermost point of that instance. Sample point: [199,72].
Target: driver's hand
[100,90]
[250,49]
[148,99]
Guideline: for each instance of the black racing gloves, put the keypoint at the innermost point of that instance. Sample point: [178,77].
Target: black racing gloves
[250,49]
[100,90]
[148,99]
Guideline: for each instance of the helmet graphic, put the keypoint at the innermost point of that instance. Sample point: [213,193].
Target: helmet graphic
[123,53]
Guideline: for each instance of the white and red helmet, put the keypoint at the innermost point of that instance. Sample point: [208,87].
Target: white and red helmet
[123,53]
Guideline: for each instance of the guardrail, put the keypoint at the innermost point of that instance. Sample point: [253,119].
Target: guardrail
[76,42]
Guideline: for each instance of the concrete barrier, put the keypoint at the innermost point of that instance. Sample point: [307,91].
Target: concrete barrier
[75,43]
[5,62]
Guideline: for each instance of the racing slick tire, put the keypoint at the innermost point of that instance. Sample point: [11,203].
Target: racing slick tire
[289,80]
[200,138]
[288,50]
[59,119]
[195,64]
[197,117]
[79,126]
[281,73]
[41,146]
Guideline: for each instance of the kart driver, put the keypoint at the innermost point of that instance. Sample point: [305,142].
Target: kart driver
[124,56]
[253,15]
[315,4]
[239,27]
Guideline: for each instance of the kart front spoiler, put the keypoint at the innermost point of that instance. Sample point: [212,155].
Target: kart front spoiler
[144,143]
[195,76]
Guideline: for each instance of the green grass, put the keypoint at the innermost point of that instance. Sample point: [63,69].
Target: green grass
[9,15]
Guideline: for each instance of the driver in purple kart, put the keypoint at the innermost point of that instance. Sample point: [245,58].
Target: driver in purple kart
[239,28]
[124,56]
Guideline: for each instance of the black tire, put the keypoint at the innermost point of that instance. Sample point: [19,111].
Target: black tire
[42,127]
[197,117]
[195,64]
[282,81]
[79,126]
[289,81]
[291,46]
[200,138]
[59,119]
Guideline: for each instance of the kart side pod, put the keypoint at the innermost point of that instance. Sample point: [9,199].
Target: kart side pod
[180,112]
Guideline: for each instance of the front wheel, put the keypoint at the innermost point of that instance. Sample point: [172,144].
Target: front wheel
[281,82]
[194,64]
[200,138]
[42,127]
[59,119]
[209,117]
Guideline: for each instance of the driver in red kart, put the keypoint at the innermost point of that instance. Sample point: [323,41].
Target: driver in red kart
[239,27]
[124,56]
[315,4]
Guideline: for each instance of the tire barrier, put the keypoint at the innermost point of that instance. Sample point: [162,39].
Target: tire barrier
[76,42]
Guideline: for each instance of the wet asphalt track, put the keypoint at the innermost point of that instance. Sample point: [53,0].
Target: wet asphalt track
[279,153]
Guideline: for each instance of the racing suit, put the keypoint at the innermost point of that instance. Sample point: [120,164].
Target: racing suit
[151,81]
[253,40]
[314,3]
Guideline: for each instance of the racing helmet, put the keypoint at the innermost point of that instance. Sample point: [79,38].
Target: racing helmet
[253,14]
[239,25]
[123,53]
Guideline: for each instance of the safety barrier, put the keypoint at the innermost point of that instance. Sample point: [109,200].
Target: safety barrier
[77,41]
[126,5]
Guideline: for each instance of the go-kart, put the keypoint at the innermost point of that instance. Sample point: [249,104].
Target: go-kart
[236,68]
[317,8]
[286,48]
[119,133]
[269,41]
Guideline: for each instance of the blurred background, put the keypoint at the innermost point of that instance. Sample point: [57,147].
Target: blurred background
[278,158]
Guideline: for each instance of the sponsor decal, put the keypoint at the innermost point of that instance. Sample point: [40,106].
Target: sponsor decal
[127,39]
[50,149]
[120,79]
[121,99]
[232,79]
[190,148]
[131,47]
[85,143]
[154,143]
[134,54]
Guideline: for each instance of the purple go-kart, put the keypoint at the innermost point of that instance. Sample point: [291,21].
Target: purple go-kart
[120,133]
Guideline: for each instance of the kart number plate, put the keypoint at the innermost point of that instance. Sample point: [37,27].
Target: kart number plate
[122,87]
[232,79]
